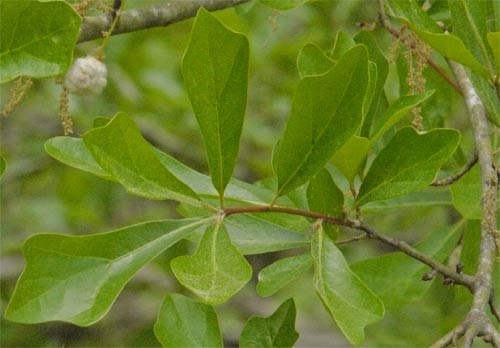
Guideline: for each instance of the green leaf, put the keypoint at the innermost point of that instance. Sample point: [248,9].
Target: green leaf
[343,43]
[283,4]
[77,278]
[324,196]
[185,323]
[449,45]
[72,152]
[397,111]
[408,163]
[351,156]
[372,85]
[375,55]
[121,150]
[430,197]
[313,61]
[466,194]
[280,273]
[276,331]
[216,271]
[348,300]
[217,88]
[471,245]
[494,41]
[404,273]
[3,165]
[326,111]
[36,38]
[469,23]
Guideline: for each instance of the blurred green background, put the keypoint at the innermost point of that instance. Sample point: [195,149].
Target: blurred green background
[41,195]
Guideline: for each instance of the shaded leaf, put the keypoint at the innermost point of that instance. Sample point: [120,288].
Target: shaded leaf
[77,278]
[375,55]
[36,38]
[348,300]
[313,61]
[275,331]
[216,271]
[397,111]
[326,111]
[466,194]
[324,196]
[283,4]
[278,274]
[217,88]
[121,150]
[408,163]
[494,41]
[396,278]
[343,43]
[3,165]
[185,323]
[351,156]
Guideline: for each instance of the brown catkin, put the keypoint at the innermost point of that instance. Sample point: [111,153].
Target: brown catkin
[64,114]
[19,89]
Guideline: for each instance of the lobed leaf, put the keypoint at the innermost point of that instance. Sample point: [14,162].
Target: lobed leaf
[37,38]
[77,278]
[408,163]
[276,331]
[185,323]
[350,158]
[278,274]
[216,271]
[348,300]
[217,88]
[326,111]
[120,150]
[313,61]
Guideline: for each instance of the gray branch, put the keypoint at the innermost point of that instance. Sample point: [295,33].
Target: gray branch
[159,15]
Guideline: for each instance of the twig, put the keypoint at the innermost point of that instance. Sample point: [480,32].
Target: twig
[387,25]
[159,15]
[353,239]
[451,179]
[449,338]
[446,271]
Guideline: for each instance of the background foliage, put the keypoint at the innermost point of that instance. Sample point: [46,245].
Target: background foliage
[42,195]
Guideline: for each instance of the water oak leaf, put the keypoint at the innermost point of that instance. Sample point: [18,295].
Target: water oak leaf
[313,61]
[77,278]
[216,271]
[185,323]
[348,300]
[278,274]
[37,38]
[120,150]
[326,111]
[350,157]
[217,87]
[408,163]
[275,331]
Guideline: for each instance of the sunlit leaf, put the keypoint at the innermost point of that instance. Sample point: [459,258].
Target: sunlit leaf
[348,300]
[77,278]
[216,271]
[217,88]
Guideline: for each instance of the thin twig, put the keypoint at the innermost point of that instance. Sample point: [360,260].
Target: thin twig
[451,179]
[159,15]
[449,338]
[353,239]
[384,20]
[446,271]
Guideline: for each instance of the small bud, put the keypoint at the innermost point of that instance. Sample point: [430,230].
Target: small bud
[86,76]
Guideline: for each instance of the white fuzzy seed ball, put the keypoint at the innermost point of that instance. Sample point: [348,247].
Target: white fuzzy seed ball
[86,76]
